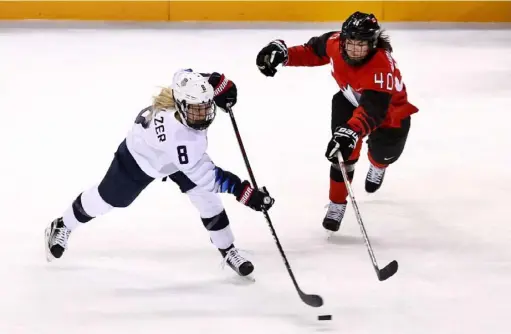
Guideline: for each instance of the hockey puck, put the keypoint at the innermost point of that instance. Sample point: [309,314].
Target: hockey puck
[325,317]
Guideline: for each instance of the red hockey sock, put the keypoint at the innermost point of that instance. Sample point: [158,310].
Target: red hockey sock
[338,192]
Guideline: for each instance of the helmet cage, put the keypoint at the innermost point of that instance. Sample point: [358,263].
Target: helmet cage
[197,116]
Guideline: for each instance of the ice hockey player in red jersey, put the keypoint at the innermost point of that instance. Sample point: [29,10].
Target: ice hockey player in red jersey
[372,101]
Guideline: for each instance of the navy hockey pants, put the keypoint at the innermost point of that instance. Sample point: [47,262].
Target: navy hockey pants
[124,180]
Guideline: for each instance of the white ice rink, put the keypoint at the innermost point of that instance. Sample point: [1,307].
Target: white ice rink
[68,96]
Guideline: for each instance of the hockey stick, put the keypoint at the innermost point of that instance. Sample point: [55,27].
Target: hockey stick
[390,269]
[311,300]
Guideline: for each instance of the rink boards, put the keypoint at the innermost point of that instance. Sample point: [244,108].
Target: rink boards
[247,11]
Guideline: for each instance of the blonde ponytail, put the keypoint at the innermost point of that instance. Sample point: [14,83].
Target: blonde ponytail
[164,100]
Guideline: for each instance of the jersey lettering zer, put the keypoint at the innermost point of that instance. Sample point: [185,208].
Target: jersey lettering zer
[379,75]
[161,145]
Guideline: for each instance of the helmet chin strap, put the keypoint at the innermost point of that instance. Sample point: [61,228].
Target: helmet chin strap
[177,115]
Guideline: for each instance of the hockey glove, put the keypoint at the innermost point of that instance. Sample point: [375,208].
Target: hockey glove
[271,56]
[256,199]
[343,140]
[226,93]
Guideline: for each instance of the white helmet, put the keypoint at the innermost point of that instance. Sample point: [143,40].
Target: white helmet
[194,99]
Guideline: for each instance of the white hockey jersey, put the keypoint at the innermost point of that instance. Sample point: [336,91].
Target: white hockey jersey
[162,145]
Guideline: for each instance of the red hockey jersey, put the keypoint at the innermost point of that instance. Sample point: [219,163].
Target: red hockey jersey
[379,74]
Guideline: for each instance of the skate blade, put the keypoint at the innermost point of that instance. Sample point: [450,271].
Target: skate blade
[329,235]
[249,278]
[242,280]
[49,256]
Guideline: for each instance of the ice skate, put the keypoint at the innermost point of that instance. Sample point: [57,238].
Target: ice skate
[238,263]
[374,178]
[334,215]
[56,236]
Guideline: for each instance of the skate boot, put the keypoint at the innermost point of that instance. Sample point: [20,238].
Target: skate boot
[238,263]
[334,215]
[56,235]
[374,178]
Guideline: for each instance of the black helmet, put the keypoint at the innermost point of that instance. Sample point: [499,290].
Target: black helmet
[361,26]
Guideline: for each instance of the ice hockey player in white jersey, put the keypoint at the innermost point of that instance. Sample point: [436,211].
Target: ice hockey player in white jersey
[169,140]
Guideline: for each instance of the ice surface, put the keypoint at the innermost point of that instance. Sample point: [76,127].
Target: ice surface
[67,98]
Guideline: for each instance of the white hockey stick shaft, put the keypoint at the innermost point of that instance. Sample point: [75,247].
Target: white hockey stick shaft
[357,212]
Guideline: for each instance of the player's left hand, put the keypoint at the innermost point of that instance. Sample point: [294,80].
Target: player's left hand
[226,93]
[343,140]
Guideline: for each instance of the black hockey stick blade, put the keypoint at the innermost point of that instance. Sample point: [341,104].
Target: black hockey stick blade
[311,300]
[388,271]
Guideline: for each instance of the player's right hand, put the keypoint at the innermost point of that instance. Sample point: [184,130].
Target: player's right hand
[343,140]
[256,199]
[271,56]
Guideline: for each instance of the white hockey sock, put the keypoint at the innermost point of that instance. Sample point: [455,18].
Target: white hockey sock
[89,205]
[222,238]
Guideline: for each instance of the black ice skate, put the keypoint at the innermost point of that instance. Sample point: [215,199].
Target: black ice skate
[334,215]
[238,263]
[374,178]
[56,235]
